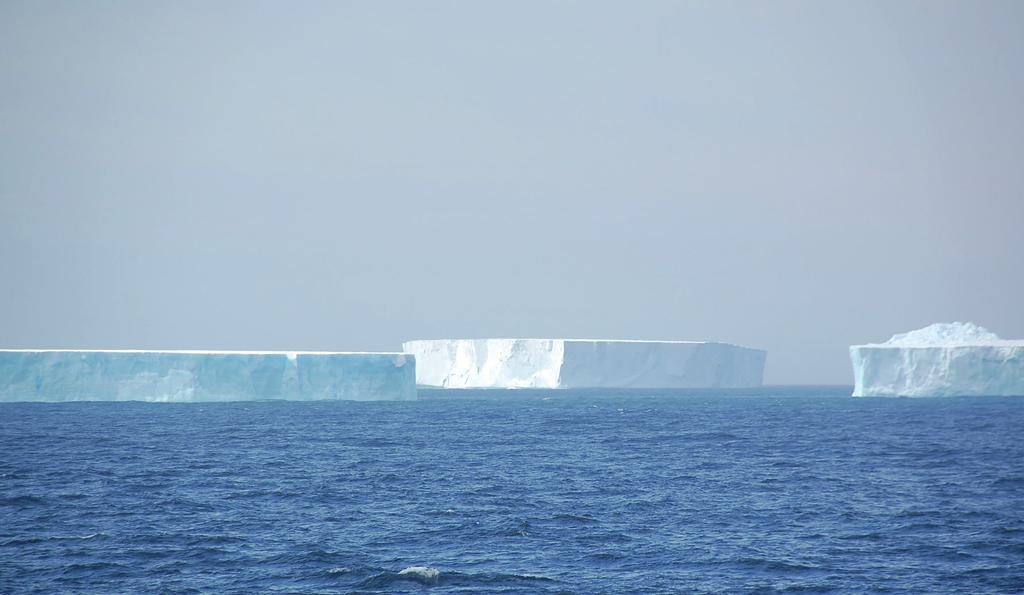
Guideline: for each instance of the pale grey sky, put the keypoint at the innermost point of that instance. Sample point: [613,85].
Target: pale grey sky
[793,176]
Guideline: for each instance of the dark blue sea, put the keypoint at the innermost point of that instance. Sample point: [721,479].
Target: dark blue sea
[779,490]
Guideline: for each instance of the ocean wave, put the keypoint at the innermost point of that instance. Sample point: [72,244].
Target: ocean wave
[424,575]
[20,501]
[1014,483]
[574,518]
[28,540]
[767,564]
[421,574]
[84,570]
[430,576]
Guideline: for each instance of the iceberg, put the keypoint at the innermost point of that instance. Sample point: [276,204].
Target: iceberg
[944,359]
[579,363]
[188,376]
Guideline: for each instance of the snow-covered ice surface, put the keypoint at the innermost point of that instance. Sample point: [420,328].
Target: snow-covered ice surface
[172,376]
[944,359]
[578,363]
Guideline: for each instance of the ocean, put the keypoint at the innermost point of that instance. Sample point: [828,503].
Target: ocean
[781,489]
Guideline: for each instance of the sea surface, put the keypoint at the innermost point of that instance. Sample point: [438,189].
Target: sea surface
[775,490]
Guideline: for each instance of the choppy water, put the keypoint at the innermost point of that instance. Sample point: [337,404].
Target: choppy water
[785,490]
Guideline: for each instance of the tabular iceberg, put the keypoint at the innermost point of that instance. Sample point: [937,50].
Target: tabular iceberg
[945,359]
[172,376]
[575,363]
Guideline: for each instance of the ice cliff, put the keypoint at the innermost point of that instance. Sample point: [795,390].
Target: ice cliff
[573,363]
[945,359]
[55,375]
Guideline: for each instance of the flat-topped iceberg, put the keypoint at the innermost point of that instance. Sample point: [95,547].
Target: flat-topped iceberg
[945,359]
[172,376]
[576,363]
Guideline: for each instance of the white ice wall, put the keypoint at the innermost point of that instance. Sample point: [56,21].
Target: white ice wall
[937,371]
[476,363]
[570,363]
[945,359]
[171,376]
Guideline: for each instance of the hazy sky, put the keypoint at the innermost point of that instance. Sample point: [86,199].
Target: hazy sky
[793,176]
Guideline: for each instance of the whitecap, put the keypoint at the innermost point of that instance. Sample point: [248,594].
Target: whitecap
[421,574]
[535,577]
[339,570]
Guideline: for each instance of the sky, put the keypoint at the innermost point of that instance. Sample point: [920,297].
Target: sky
[791,176]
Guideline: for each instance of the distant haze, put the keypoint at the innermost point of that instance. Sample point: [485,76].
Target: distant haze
[792,176]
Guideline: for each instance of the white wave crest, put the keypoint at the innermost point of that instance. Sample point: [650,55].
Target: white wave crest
[421,574]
